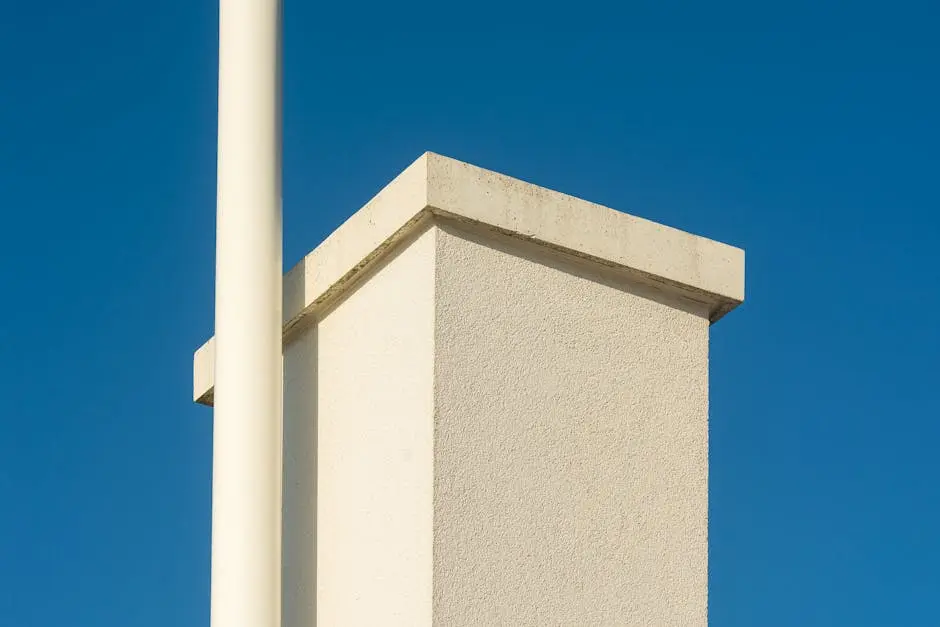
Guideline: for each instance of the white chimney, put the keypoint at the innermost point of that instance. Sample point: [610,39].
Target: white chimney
[496,411]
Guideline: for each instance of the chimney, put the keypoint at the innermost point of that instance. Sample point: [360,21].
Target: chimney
[496,410]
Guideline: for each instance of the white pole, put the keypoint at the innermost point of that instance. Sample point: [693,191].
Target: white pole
[246,469]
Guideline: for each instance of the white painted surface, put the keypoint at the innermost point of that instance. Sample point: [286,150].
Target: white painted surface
[488,421]
[698,266]
[298,542]
[246,467]
[696,269]
[492,433]
[375,431]
[571,444]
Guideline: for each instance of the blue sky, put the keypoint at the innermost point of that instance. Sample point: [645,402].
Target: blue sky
[807,134]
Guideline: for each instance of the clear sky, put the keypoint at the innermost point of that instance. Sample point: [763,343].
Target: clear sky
[807,134]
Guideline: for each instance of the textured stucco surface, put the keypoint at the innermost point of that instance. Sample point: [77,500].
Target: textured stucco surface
[483,431]
[299,482]
[700,267]
[695,269]
[571,454]
[374,429]
[496,410]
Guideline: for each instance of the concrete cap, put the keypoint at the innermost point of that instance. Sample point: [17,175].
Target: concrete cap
[694,268]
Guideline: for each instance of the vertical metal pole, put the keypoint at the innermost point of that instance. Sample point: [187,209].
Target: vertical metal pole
[246,470]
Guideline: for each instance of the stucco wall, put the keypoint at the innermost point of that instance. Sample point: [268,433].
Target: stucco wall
[491,433]
[486,422]
[570,464]
[374,408]
[299,483]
